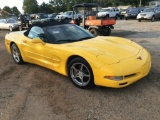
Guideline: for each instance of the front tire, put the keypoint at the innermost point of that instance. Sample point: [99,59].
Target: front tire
[94,31]
[107,31]
[139,20]
[20,28]
[10,28]
[153,19]
[80,73]
[16,55]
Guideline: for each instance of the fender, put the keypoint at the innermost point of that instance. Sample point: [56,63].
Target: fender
[96,27]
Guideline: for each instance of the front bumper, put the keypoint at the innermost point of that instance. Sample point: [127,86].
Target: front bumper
[130,69]
[130,16]
[144,17]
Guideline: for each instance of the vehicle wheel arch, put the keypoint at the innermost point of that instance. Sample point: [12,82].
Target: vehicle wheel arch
[12,44]
[71,58]
[91,27]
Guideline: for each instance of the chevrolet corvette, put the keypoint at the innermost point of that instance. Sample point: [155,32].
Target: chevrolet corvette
[74,52]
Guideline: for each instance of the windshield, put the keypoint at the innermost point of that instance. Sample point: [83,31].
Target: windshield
[11,21]
[105,10]
[43,16]
[133,10]
[67,33]
[123,10]
[148,10]
[67,13]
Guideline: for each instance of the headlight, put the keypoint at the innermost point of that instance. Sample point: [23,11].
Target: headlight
[114,77]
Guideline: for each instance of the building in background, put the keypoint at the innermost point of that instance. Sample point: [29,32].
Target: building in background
[154,3]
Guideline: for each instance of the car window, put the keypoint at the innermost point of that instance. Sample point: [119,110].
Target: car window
[11,21]
[2,21]
[37,32]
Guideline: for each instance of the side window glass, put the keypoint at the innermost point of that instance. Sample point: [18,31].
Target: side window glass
[35,32]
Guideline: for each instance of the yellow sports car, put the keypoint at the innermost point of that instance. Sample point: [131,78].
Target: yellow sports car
[72,51]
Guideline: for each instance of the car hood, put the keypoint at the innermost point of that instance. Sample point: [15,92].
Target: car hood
[63,15]
[147,13]
[112,49]
[100,13]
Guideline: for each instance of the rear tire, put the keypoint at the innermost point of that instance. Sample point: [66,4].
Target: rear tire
[107,31]
[16,55]
[66,20]
[139,20]
[152,19]
[94,31]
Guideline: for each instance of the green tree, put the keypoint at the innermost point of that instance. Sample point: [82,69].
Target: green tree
[30,6]
[6,11]
[15,11]
[45,8]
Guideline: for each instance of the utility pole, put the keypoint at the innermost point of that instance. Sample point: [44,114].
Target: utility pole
[140,2]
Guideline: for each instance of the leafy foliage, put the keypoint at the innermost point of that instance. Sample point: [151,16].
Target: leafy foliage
[31,6]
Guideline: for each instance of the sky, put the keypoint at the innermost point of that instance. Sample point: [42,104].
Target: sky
[17,3]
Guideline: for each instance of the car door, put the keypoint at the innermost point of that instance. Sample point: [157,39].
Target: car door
[37,52]
[2,24]
[112,13]
[6,24]
[157,13]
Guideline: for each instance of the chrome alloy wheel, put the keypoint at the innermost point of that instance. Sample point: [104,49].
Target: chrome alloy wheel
[16,53]
[80,74]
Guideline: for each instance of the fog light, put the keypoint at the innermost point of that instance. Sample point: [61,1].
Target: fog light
[114,77]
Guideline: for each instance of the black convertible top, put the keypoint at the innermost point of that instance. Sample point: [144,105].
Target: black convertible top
[86,5]
[44,24]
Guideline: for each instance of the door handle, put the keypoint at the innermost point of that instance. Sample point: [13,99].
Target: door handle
[25,41]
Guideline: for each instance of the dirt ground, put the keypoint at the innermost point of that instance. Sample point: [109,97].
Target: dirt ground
[31,92]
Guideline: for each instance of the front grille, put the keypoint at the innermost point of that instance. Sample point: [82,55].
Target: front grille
[143,14]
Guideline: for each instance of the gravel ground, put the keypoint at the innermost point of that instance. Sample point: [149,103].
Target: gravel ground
[31,92]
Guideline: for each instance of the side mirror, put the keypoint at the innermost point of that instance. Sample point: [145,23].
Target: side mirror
[37,40]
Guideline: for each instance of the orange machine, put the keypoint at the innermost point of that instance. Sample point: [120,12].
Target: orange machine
[88,19]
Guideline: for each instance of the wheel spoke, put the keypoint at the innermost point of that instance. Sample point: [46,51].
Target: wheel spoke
[81,68]
[75,69]
[85,75]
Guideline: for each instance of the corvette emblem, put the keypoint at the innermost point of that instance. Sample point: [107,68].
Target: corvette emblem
[140,58]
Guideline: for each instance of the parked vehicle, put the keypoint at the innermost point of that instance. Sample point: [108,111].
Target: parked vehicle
[107,12]
[122,13]
[53,15]
[24,21]
[66,16]
[10,24]
[74,52]
[90,21]
[132,13]
[149,14]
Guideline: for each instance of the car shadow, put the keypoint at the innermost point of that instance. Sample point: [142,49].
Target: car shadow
[135,34]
